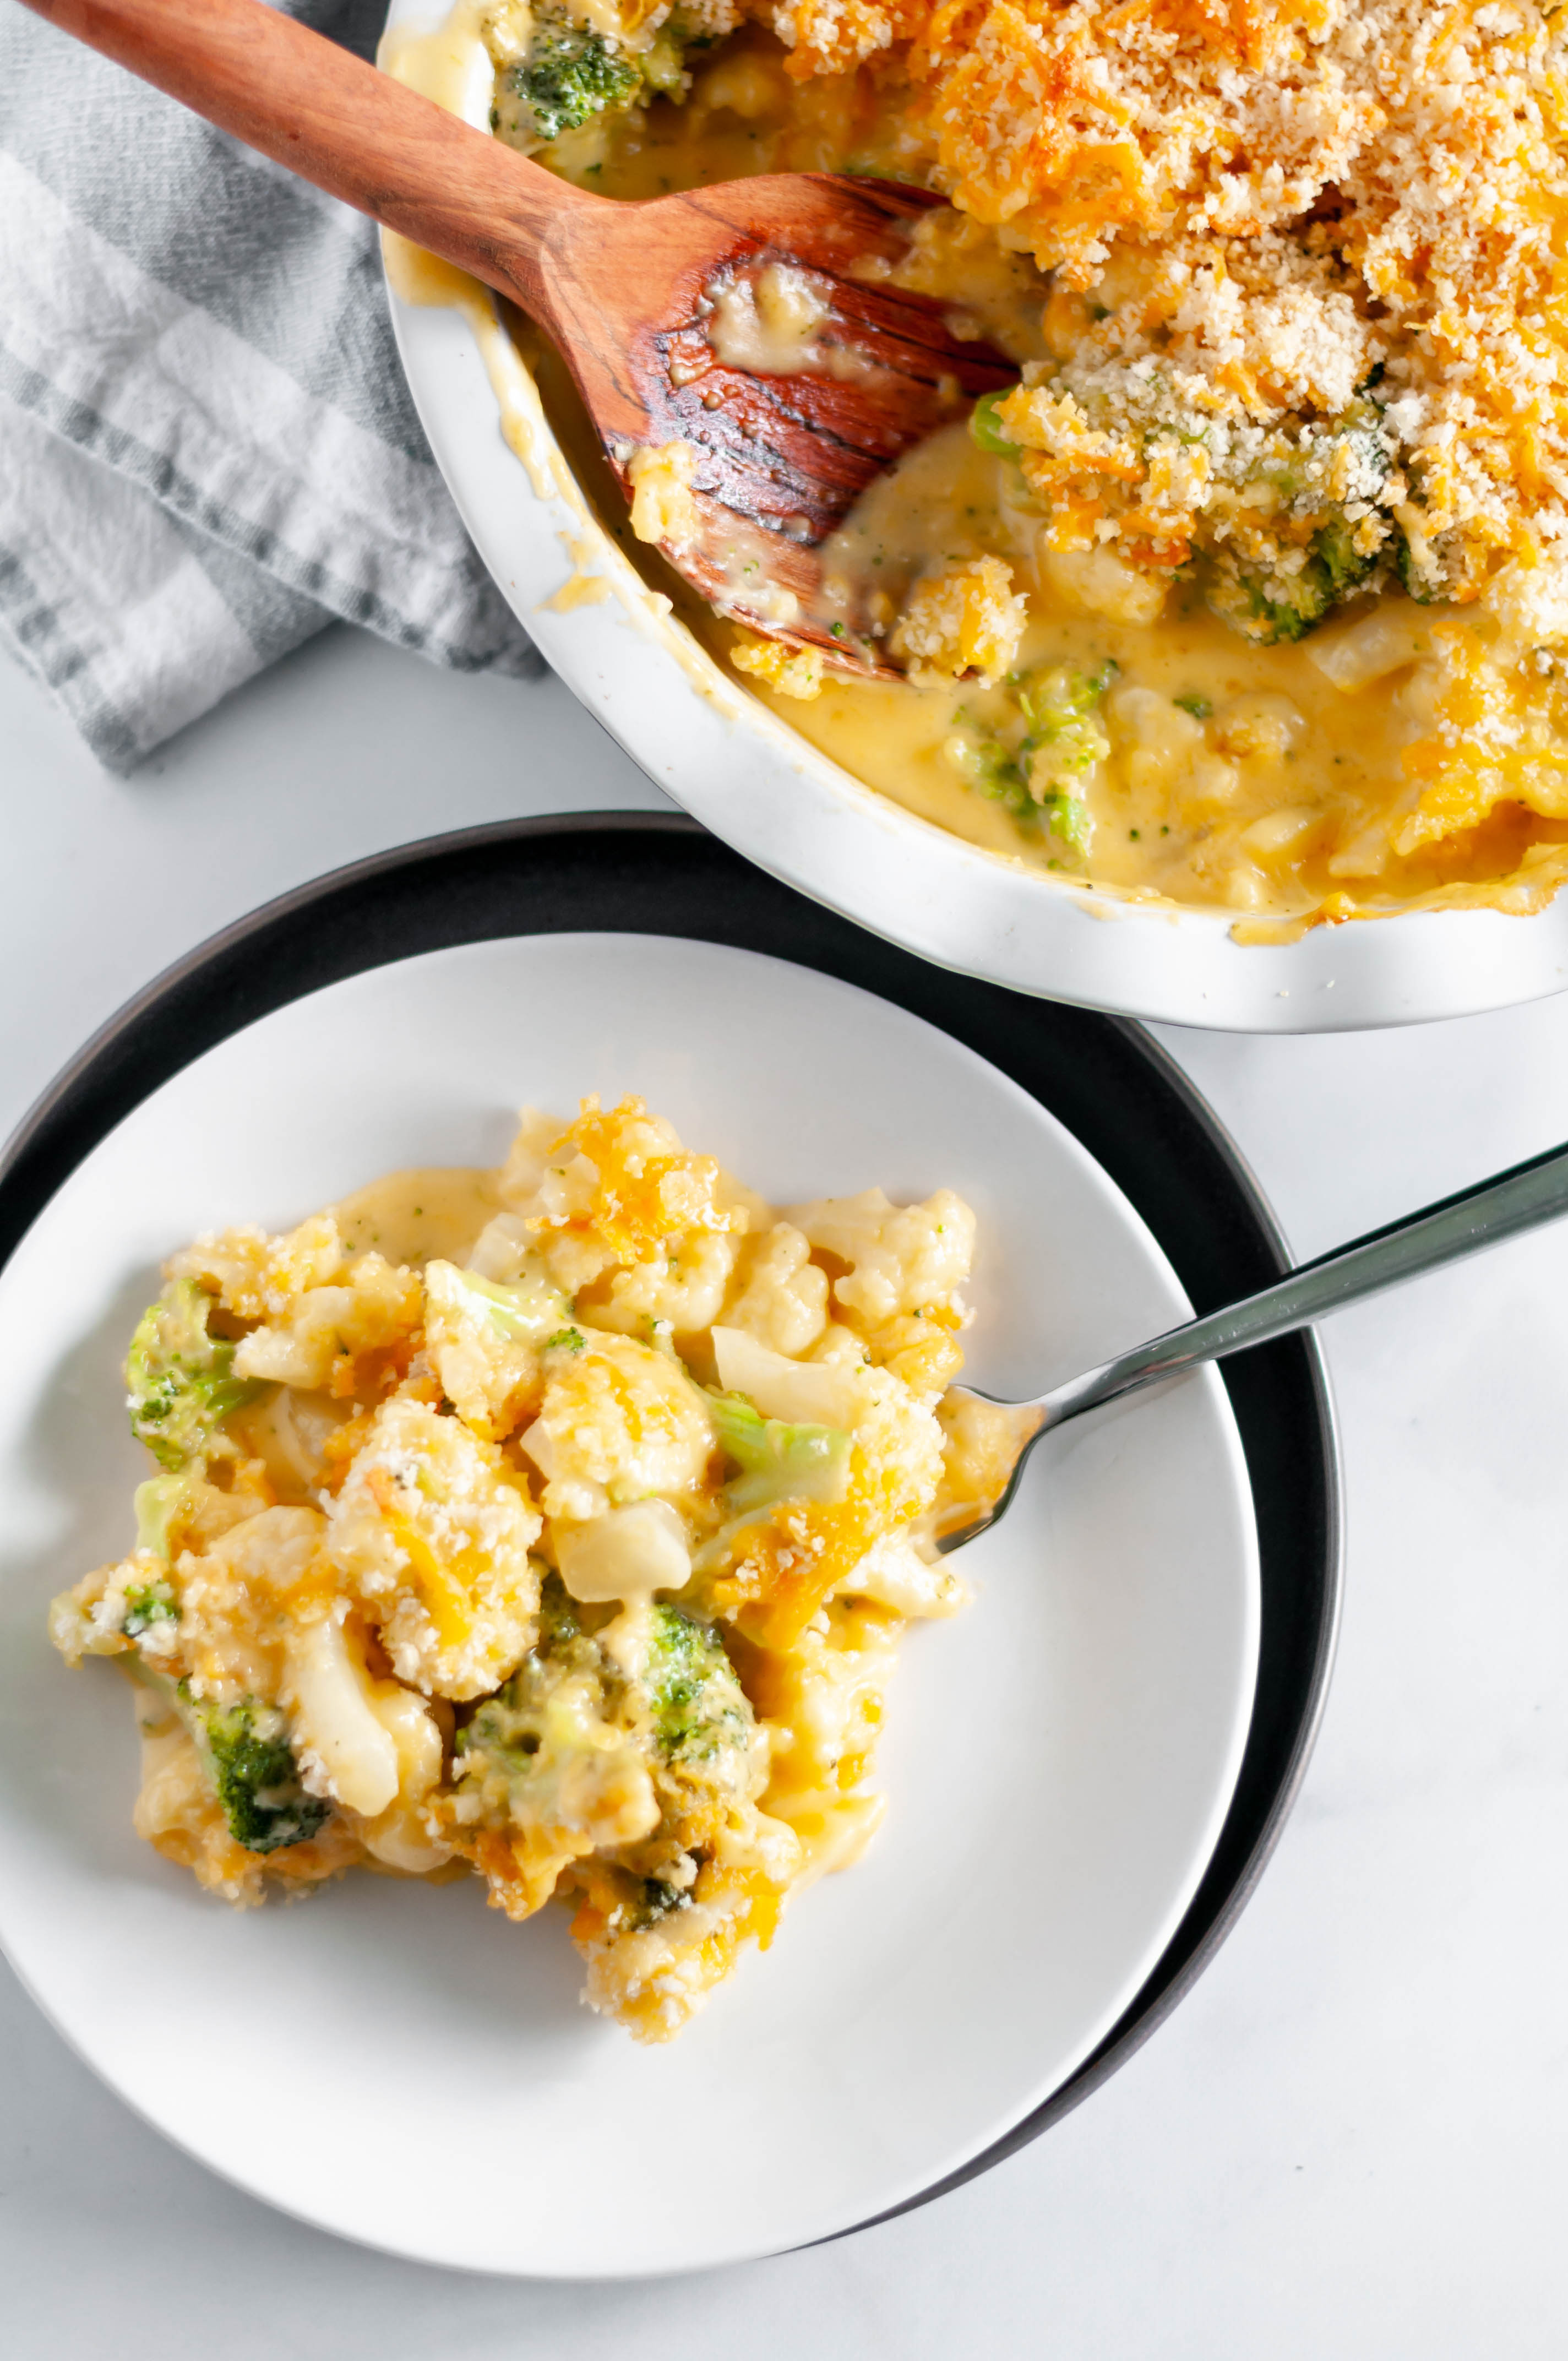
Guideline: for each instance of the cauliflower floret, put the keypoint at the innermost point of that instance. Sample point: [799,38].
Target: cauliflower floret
[402,1836]
[432,1529]
[236,1596]
[484,1339]
[921,1347]
[530,1156]
[134,1603]
[894,1573]
[503,1249]
[963,619]
[257,1276]
[680,1291]
[899,1440]
[824,1391]
[374,1307]
[618,1421]
[981,1442]
[902,1258]
[114,1607]
[627,1554]
[1529,599]
[902,1444]
[612,1189]
[784,1301]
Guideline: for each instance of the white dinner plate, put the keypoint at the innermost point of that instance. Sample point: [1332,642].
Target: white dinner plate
[397,2062]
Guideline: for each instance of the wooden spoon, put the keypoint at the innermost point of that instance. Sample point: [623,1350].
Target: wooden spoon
[625,289]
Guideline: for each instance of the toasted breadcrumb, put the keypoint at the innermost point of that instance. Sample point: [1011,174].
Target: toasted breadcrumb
[1285,200]
[963,619]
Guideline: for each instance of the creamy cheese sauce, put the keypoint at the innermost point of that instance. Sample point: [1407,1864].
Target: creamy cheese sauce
[429,1213]
[452,1529]
[769,325]
[1264,780]
[1195,804]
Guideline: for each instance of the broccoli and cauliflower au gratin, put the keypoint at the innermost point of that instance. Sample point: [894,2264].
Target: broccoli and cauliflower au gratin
[559,1523]
[1254,593]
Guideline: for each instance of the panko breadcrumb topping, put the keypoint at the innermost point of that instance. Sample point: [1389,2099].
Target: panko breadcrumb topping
[1282,279]
[579,1559]
[1304,199]
[963,619]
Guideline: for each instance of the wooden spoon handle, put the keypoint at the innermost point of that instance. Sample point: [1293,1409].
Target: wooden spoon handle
[336,121]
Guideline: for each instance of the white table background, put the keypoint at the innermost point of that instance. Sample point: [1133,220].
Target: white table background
[1351,2142]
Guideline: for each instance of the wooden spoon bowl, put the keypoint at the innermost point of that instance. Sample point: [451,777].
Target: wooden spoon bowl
[626,291]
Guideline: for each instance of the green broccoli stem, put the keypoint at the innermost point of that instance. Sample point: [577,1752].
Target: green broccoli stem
[778,1461]
[248,1763]
[254,1776]
[180,1379]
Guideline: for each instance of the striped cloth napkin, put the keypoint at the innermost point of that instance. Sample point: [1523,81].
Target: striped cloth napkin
[207,449]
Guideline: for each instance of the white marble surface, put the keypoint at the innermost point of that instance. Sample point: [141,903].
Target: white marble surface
[1350,2141]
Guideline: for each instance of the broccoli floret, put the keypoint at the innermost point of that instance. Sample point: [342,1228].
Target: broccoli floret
[1066,740]
[991,771]
[145,1604]
[181,1380]
[1062,742]
[1060,711]
[1266,605]
[533,1724]
[570,73]
[1334,549]
[653,1901]
[662,63]
[699,1708]
[556,1746]
[559,1621]
[1261,599]
[626,1755]
[245,1750]
[779,1461]
[518,1730]
[1068,818]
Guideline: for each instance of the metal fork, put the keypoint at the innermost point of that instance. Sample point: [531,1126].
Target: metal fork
[1517,1200]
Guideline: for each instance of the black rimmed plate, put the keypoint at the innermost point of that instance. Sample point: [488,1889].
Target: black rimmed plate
[390,1014]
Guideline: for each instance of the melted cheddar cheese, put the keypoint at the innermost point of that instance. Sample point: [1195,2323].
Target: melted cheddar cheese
[557,1523]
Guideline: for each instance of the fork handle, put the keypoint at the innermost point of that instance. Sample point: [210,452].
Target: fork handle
[334,120]
[1517,1200]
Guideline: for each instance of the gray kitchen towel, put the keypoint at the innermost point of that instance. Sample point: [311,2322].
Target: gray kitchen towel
[207,449]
